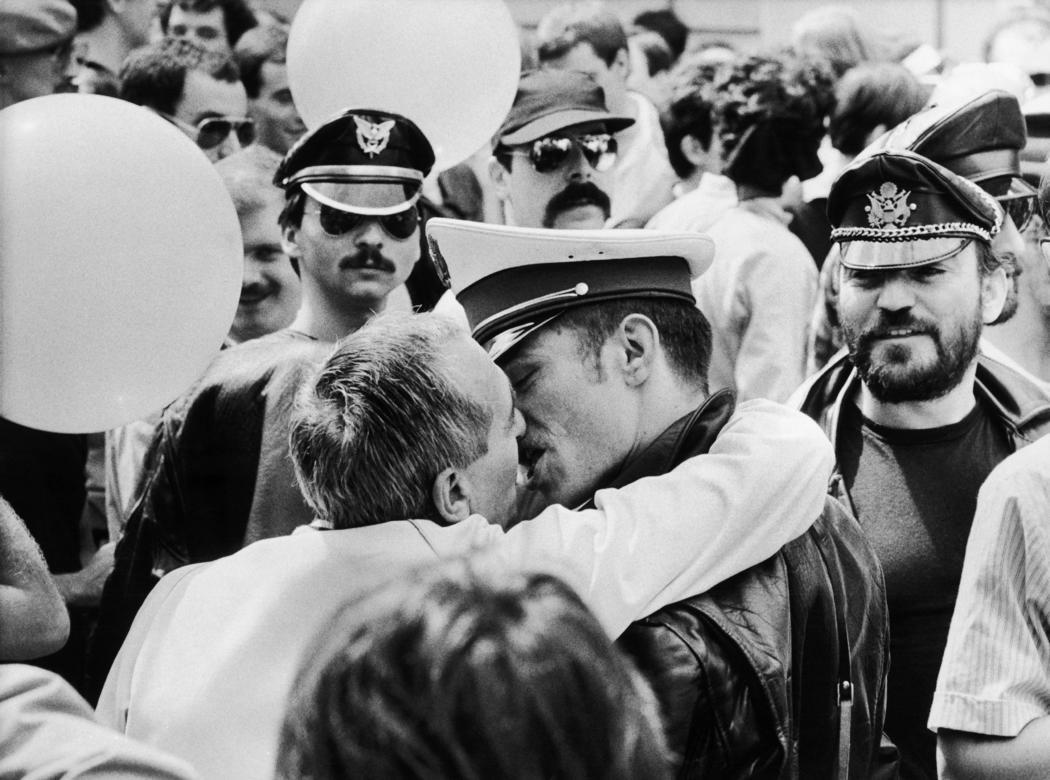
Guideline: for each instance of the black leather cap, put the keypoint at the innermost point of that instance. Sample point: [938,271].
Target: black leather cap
[366,161]
[897,209]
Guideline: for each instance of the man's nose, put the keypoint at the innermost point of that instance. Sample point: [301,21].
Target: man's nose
[369,233]
[229,145]
[896,294]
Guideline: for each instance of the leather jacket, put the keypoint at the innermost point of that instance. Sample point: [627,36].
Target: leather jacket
[754,675]
[1021,406]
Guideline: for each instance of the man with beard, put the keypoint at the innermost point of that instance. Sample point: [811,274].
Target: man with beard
[777,672]
[917,415]
[555,151]
[220,475]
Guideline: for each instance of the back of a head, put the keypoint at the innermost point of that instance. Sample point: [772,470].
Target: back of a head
[155,75]
[381,420]
[665,23]
[835,33]
[869,95]
[566,26]
[469,670]
[769,114]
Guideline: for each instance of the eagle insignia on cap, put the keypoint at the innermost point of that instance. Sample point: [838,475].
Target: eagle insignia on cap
[889,207]
[373,138]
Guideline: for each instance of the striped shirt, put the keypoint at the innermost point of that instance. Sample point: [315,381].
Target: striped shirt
[995,675]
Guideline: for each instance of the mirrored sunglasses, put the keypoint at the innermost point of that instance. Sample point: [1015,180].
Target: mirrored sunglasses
[550,152]
[1020,209]
[336,222]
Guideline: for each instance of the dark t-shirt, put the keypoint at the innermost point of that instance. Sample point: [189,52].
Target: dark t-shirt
[915,492]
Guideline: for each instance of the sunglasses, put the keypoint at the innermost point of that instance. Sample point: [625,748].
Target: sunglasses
[1020,209]
[549,153]
[336,222]
[212,131]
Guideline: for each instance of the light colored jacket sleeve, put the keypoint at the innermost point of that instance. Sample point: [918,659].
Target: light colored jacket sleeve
[662,539]
[48,731]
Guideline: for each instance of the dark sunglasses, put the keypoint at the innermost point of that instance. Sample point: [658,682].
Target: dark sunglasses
[336,222]
[1019,209]
[212,131]
[550,152]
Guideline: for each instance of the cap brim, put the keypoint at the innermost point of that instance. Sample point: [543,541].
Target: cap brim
[503,342]
[890,255]
[562,120]
[375,198]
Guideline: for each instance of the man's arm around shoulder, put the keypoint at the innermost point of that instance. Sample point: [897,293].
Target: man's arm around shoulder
[662,539]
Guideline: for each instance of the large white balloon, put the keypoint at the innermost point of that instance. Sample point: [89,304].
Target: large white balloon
[120,262]
[451,66]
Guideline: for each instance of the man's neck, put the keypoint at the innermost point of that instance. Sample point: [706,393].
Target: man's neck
[106,45]
[661,409]
[326,322]
[915,415]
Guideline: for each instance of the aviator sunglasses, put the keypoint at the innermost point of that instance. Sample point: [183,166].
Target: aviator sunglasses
[337,223]
[550,152]
[212,131]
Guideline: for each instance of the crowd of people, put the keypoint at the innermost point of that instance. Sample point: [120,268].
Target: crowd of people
[692,428]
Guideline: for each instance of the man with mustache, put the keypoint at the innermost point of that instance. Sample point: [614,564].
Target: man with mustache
[555,152]
[917,414]
[220,476]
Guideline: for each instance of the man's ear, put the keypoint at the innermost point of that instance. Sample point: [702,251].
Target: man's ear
[289,241]
[637,341]
[994,288]
[450,496]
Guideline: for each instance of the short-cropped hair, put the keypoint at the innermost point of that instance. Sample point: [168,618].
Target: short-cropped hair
[382,419]
[668,26]
[869,95]
[566,26]
[685,333]
[469,670]
[155,75]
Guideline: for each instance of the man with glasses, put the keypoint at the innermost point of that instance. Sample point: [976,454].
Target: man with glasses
[36,49]
[917,414]
[197,91]
[554,152]
[220,475]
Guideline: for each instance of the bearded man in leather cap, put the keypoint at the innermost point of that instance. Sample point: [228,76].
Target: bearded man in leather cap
[777,672]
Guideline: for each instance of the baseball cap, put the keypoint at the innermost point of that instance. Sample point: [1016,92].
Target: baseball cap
[551,99]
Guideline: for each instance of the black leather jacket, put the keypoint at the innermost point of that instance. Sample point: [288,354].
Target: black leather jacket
[754,675]
[1022,407]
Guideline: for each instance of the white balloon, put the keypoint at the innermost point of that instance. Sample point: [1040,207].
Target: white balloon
[120,262]
[451,66]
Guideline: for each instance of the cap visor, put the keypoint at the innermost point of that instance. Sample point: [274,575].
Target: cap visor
[888,255]
[562,120]
[375,198]
[502,343]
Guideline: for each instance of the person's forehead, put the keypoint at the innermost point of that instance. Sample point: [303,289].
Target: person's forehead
[204,96]
[274,75]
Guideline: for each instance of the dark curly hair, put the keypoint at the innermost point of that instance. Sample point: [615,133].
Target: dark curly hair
[236,14]
[769,113]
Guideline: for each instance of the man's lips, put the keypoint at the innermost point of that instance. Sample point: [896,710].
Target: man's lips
[529,457]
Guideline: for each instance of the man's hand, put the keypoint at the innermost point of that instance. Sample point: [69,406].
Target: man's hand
[84,588]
